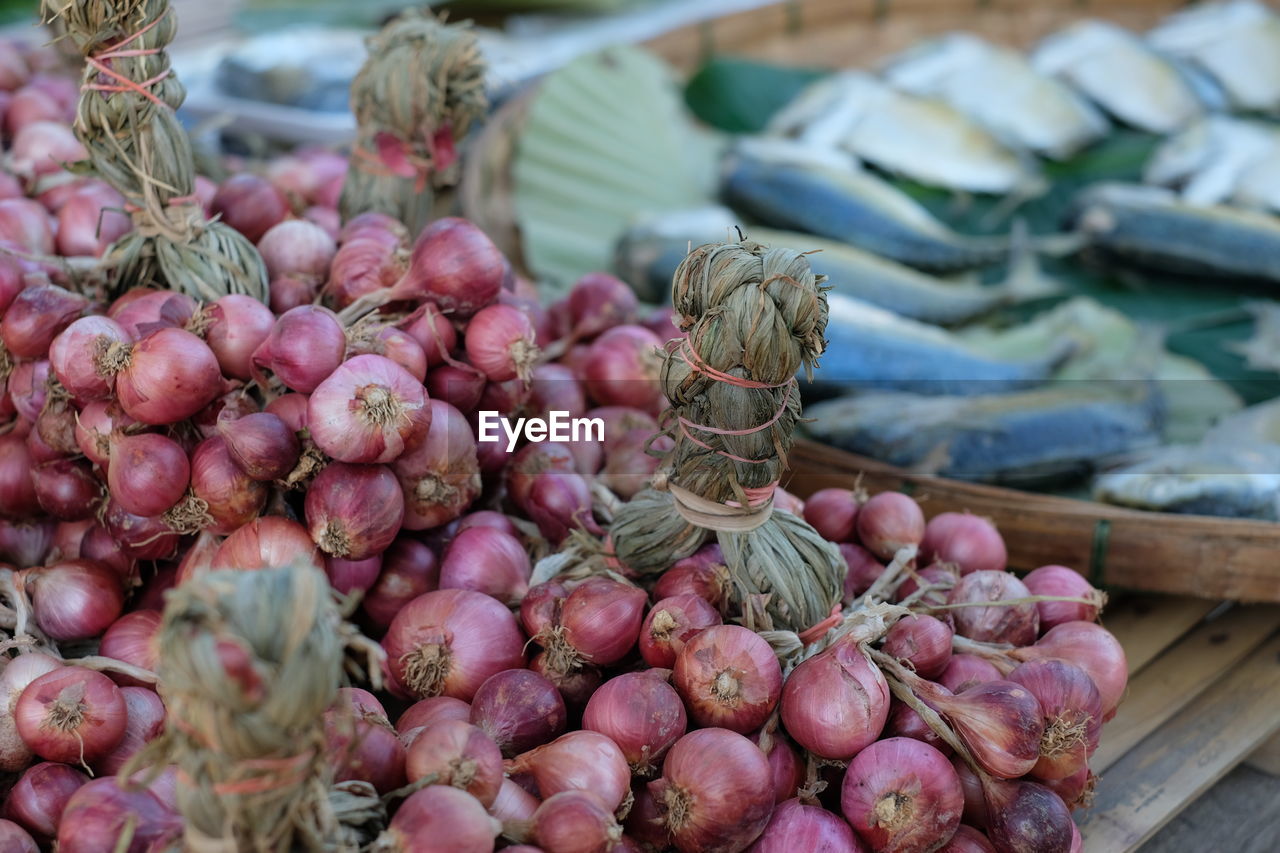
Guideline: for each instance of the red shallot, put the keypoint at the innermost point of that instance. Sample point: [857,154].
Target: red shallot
[450,641]
[729,677]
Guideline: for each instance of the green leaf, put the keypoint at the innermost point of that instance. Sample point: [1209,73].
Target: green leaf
[740,96]
[606,140]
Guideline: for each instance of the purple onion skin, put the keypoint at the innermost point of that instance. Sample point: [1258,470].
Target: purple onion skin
[519,709]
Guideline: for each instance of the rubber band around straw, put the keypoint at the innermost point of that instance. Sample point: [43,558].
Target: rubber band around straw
[699,366]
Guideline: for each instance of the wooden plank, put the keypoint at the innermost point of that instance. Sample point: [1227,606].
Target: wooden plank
[1266,758]
[1173,766]
[1217,558]
[1146,625]
[1173,680]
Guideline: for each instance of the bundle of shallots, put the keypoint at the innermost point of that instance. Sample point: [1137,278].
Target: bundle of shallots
[754,316]
[416,96]
[127,122]
[249,662]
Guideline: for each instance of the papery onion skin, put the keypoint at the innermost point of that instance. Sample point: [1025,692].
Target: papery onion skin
[902,795]
[148,474]
[967,840]
[18,496]
[600,619]
[132,639]
[577,686]
[1000,722]
[101,812]
[145,721]
[457,754]
[450,641]
[833,513]
[500,342]
[540,607]
[172,374]
[796,826]
[74,599]
[622,368]
[598,302]
[362,743]
[964,671]
[14,678]
[787,768]
[923,641]
[730,678]
[1077,790]
[71,715]
[835,703]
[80,356]
[440,818]
[362,265]
[261,444]
[670,624]
[140,537]
[1072,710]
[67,490]
[233,497]
[94,426]
[297,247]
[1061,581]
[142,310]
[26,543]
[425,712]
[460,386]
[975,800]
[41,148]
[889,522]
[519,710]
[454,264]
[16,839]
[575,822]
[346,576]
[553,387]
[641,714]
[90,220]
[1018,624]
[1026,817]
[578,761]
[1090,647]
[249,204]
[433,332]
[28,390]
[487,561]
[396,345]
[36,316]
[715,792]
[409,569]
[306,344]
[238,324]
[513,804]
[905,722]
[370,410]
[266,542]
[354,511]
[39,796]
[969,542]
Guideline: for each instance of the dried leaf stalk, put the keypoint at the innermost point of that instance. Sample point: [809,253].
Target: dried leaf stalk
[126,120]
[754,317]
[249,661]
[418,94]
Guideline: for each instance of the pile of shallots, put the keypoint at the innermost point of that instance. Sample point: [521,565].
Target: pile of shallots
[149,438]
